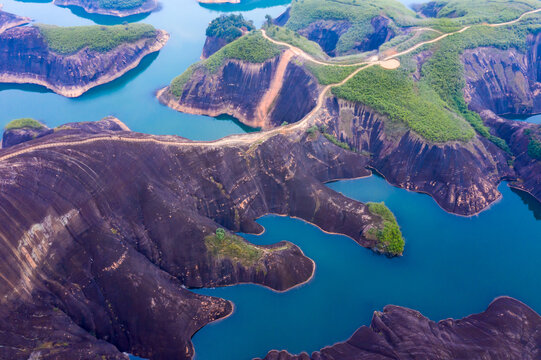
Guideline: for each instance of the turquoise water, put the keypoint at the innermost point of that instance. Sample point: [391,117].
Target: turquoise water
[452,267]
[131,98]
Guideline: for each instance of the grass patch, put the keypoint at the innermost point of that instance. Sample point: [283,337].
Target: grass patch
[358,13]
[329,74]
[389,237]
[24,123]
[68,40]
[534,145]
[334,140]
[177,84]
[394,94]
[229,27]
[120,4]
[253,48]
[293,38]
[233,247]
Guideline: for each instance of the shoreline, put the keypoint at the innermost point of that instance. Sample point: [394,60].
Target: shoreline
[76,91]
[143,9]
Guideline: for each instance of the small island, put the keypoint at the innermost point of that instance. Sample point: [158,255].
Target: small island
[72,60]
[119,8]
[223,30]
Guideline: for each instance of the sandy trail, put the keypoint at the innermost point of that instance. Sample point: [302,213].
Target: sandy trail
[389,62]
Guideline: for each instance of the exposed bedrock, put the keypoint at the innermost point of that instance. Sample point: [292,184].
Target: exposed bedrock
[326,33]
[462,177]
[258,95]
[508,329]
[515,134]
[8,21]
[26,58]
[381,33]
[101,224]
[213,44]
[504,81]
[96,7]
[16,136]
[429,9]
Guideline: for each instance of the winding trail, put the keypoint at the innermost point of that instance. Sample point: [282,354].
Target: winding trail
[389,62]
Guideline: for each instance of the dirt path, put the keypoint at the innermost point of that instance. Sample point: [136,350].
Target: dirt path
[389,62]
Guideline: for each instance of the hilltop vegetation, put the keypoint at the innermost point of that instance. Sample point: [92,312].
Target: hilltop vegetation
[329,74]
[358,13]
[69,40]
[229,27]
[394,94]
[24,123]
[253,48]
[120,4]
[480,11]
[389,236]
[291,37]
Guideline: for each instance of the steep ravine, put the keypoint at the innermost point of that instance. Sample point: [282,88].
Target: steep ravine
[102,223]
[259,95]
[26,58]
[508,329]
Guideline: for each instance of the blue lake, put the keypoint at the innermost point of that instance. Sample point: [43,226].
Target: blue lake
[452,266]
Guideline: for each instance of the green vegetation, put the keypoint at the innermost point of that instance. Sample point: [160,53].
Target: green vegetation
[389,237]
[120,4]
[534,146]
[293,38]
[252,47]
[444,71]
[229,27]
[334,140]
[329,74]
[480,11]
[395,94]
[233,247]
[177,84]
[358,12]
[68,40]
[24,123]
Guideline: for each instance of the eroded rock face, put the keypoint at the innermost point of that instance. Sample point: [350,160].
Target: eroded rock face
[462,177]
[326,33]
[504,81]
[212,44]
[259,95]
[102,225]
[26,58]
[16,136]
[94,6]
[508,329]
[8,21]
[381,33]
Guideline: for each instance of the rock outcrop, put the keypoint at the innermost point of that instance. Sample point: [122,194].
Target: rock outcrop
[508,329]
[101,224]
[504,81]
[258,95]
[13,137]
[119,9]
[26,58]
[8,21]
[326,33]
[462,177]
[213,44]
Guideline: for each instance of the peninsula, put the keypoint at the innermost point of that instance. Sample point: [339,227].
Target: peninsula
[126,222]
[418,96]
[72,60]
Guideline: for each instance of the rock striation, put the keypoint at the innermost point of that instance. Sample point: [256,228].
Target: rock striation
[504,81]
[101,223]
[113,8]
[508,329]
[26,58]
[258,95]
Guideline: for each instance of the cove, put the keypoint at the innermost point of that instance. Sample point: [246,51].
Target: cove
[452,267]
[131,97]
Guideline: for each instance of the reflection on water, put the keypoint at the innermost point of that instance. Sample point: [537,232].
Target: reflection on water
[245,5]
[533,204]
[106,19]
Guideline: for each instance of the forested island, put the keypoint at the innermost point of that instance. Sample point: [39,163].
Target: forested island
[119,8]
